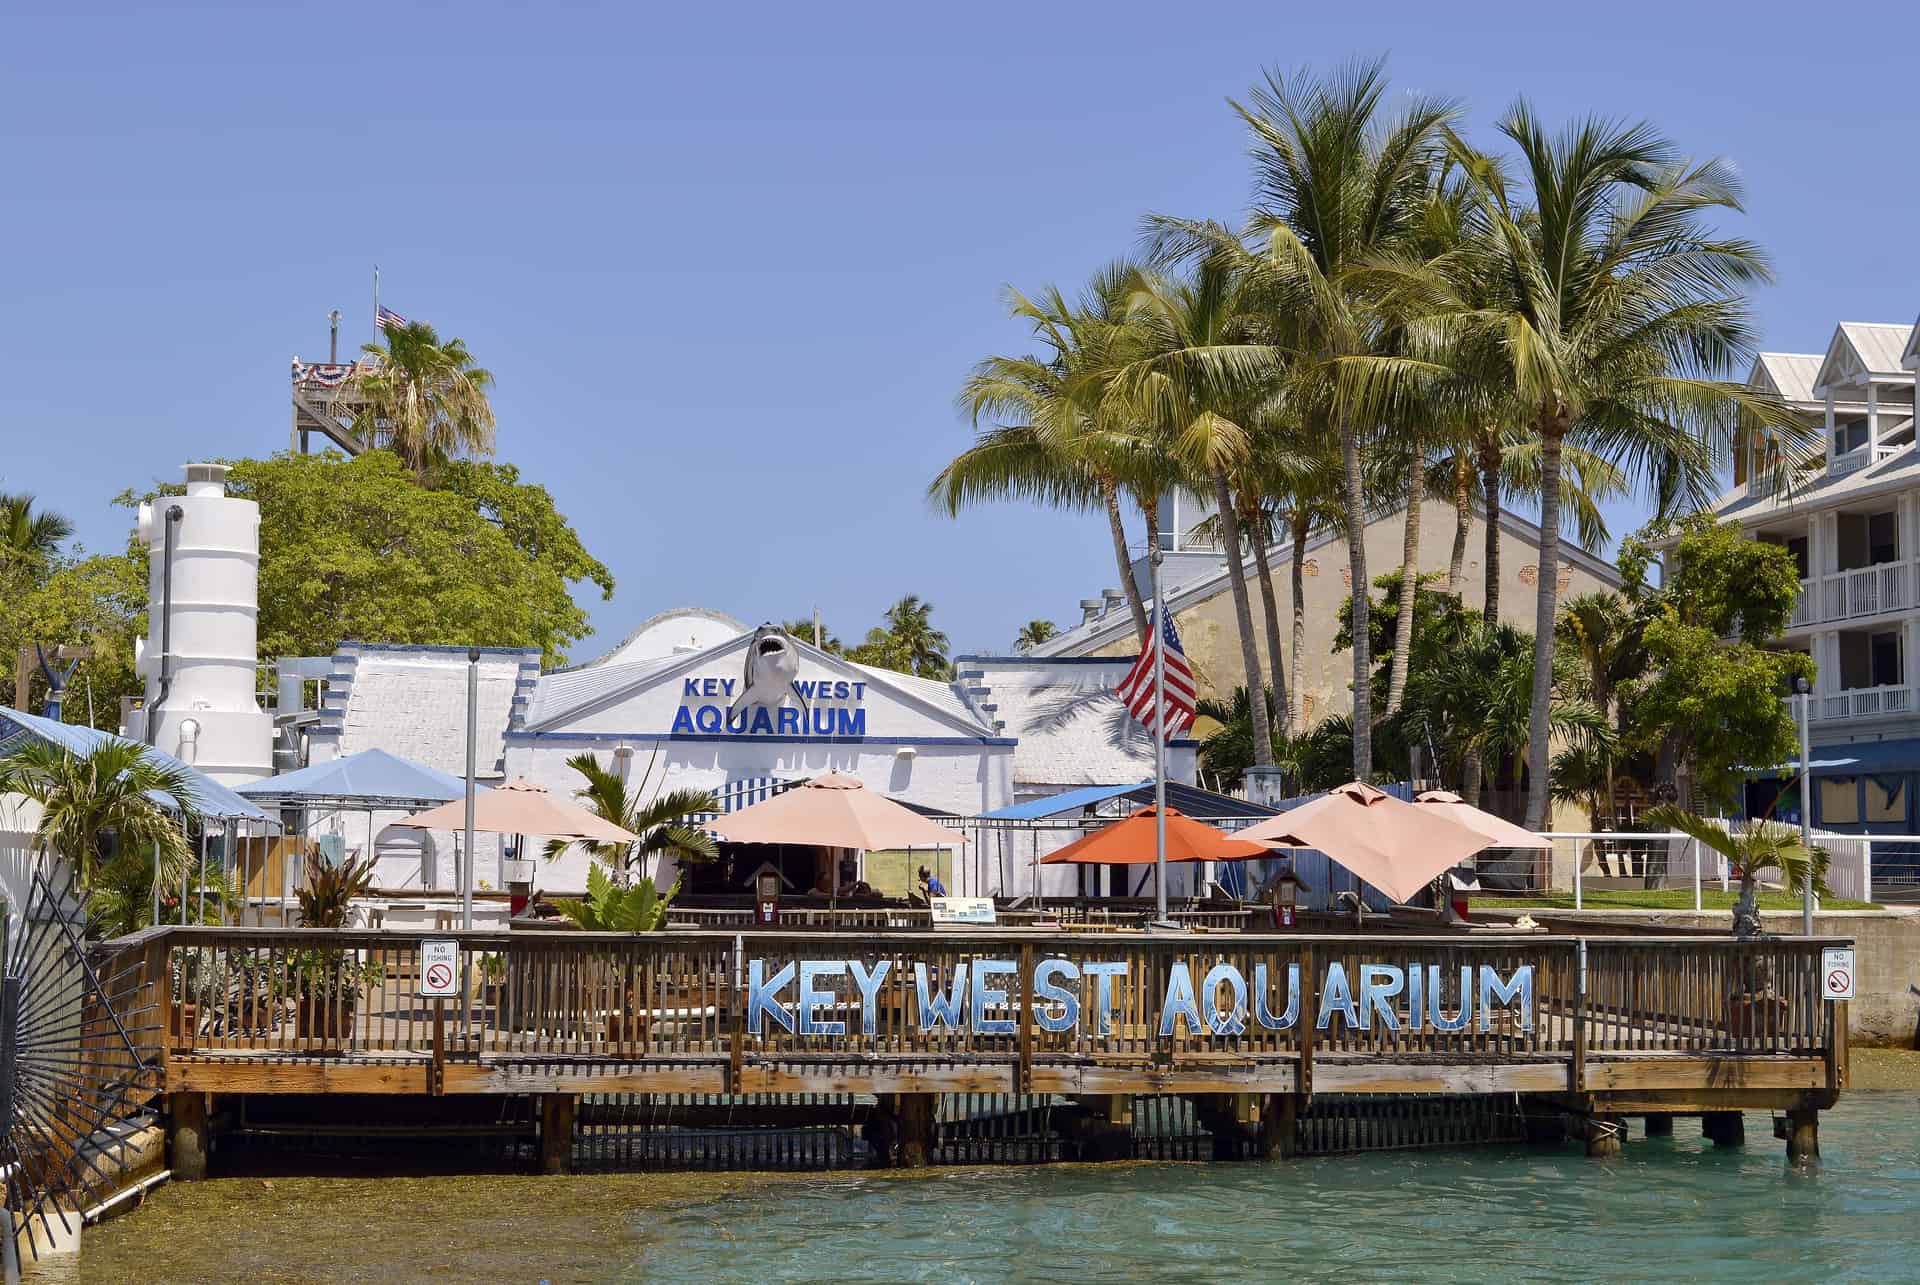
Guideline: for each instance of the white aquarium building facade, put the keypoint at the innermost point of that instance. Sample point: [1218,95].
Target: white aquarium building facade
[677,705]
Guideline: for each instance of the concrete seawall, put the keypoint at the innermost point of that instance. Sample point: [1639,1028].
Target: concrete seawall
[1886,945]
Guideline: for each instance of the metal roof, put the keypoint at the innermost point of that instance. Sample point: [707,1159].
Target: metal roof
[210,798]
[1879,346]
[1792,373]
[371,777]
[1189,799]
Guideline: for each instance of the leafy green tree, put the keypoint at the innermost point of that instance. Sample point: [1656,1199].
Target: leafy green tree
[803,630]
[360,549]
[73,597]
[425,399]
[662,822]
[1710,703]
[1033,633]
[98,813]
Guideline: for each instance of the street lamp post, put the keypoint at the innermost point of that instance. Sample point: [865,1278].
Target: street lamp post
[1806,807]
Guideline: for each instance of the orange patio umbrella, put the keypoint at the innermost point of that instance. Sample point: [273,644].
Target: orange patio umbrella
[521,807]
[1394,845]
[834,811]
[1500,832]
[1131,843]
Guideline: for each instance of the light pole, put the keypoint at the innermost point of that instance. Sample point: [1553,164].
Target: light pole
[1805,688]
[1158,731]
[473,702]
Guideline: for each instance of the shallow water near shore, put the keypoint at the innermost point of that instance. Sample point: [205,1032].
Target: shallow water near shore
[1668,1209]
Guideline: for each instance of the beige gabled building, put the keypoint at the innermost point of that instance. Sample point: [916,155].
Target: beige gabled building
[1201,598]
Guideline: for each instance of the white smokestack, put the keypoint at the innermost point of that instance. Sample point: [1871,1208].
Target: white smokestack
[203,650]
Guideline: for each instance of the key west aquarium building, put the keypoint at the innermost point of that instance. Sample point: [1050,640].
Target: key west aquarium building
[694,699]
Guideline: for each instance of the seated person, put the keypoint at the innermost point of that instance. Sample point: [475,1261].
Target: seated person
[822,885]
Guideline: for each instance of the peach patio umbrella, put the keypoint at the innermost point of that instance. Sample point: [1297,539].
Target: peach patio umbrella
[521,807]
[1500,832]
[1397,847]
[833,811]
[1131,843]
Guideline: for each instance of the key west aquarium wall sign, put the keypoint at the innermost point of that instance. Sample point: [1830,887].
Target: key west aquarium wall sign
[818,997]
[770,698]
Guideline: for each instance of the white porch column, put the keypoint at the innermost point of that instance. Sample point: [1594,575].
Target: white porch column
[1873,418]
[1826,656]
[1828,525]
[1909,651]
[1829,425]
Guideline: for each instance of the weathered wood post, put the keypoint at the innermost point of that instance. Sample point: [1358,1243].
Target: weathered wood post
[558,1112]
[1803,1135]
[1724,1128]
[1604,1135]
[1279,1126]
[914,1112]
[187,1136]
[1659,1125]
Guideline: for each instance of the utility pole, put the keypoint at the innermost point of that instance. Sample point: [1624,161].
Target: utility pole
[1806,807]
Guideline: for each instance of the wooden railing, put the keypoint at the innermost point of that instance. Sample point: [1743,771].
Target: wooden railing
[862,918]
[683,996]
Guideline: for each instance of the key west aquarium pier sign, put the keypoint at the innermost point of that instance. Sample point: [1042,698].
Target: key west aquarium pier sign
[828,997]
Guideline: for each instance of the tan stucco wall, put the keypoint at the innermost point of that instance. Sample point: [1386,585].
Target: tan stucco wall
[1212,639]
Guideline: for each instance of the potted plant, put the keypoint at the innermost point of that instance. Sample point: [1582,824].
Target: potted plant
[326,981]
[611,908]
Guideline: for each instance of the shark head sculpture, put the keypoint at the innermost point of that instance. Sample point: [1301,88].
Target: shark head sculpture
[773,662]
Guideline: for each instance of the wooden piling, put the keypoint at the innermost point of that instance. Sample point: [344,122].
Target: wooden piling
[1279,1126]
[557,1115]
[1803,1135]
[914,1114]
[1724,1128]
[187,1136]
[1605,1134]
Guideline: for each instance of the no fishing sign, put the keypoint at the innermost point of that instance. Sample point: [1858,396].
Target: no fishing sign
[439,969]
[1836,972]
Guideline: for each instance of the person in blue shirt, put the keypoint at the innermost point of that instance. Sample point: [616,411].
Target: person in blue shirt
[930,885]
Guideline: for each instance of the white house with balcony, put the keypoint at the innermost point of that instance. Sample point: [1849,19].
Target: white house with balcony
[1851,518]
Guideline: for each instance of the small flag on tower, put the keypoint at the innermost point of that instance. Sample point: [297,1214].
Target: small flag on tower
[387,319]
[1136,689]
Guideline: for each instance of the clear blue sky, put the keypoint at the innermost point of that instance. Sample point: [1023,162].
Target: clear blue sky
[730,263]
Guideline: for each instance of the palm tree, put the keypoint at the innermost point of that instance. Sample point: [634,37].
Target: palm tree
[425,399]
[1056,435]
[661,822]
[1201,377]
[1750,848]
[1336,183]
[99,812]
[26,535]
[803,630]
[911,633]
[1033,633]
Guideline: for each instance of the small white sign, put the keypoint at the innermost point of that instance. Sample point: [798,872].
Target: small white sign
[1836,972]
[962,910]
[439,969]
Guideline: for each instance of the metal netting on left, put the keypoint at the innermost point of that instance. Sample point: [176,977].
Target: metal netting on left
[80,1036]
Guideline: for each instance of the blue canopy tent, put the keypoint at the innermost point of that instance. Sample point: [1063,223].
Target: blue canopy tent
[372,781]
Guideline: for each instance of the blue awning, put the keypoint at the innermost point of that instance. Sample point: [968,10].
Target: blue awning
[1056,804]
[210,798]
[370,778]
[1902,755]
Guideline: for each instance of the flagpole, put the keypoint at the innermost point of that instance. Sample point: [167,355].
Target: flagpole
[1159,730]
[376,303]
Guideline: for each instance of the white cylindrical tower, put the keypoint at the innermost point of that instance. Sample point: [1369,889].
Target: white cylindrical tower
[200,653]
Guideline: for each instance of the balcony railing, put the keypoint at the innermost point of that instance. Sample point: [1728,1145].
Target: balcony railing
[1864,702]
[1850,595]
[1860,457]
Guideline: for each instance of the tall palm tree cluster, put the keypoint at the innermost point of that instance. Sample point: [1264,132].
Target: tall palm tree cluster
[1402,315]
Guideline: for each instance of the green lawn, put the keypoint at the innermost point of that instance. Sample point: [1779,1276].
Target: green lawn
[1654,899]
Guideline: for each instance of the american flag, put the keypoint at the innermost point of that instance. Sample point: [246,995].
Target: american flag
[1136,689]
[387,319]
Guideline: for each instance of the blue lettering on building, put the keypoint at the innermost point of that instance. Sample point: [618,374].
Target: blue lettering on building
[703,710]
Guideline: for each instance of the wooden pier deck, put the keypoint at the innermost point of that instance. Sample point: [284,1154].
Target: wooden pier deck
[1607,1026]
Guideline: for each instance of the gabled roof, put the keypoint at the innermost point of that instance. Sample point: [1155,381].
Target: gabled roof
[562,697]
[210,798]
[1791,375]
[1910,355]
[1862,350]
[368,778]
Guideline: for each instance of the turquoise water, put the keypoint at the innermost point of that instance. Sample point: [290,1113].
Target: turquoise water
[1667,1209]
